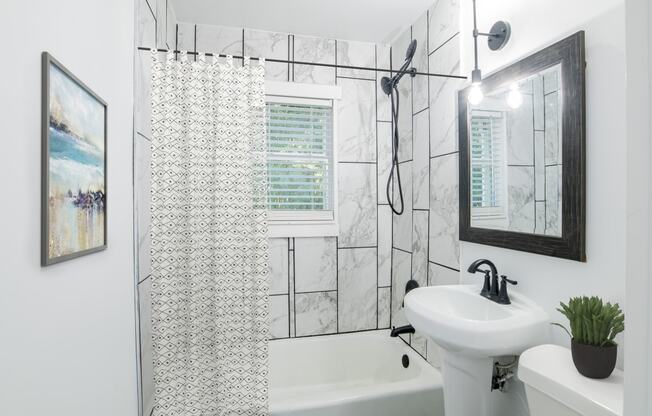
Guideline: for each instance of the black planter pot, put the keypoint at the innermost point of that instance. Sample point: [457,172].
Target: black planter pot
[592,361]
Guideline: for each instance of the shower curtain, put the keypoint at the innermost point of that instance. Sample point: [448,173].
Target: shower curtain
[209,237]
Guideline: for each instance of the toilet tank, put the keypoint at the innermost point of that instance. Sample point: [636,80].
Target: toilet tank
[554,387]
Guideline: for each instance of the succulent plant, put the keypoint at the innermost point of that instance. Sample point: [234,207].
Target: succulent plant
[592,322]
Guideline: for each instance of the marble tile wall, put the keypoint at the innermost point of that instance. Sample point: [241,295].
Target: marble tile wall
[155,27]
[425,238]
[318,285]
[534,158]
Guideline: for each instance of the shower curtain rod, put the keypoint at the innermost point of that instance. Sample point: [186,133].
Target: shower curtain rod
[286,61]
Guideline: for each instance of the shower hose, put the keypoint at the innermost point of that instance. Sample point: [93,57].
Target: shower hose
[395,170]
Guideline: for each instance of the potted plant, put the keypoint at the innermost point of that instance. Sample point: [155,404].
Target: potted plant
[593,327]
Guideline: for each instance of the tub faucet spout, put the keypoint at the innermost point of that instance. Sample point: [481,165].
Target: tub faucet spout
[405,329]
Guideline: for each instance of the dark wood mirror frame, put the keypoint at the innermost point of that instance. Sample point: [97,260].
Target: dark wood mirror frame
[570,54]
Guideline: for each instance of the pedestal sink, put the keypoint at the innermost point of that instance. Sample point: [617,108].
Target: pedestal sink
[473,331]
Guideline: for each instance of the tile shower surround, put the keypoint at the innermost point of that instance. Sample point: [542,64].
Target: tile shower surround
[425,243]
[353,282]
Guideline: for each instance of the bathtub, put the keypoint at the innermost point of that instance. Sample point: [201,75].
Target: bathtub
[356,374]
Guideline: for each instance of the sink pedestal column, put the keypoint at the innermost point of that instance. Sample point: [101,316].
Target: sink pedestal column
[467,389]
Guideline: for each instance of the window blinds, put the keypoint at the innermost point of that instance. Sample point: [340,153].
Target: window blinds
[300,157]
[488,163]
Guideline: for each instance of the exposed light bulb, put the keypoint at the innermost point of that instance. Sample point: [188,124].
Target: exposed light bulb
[475,95]
[514,97]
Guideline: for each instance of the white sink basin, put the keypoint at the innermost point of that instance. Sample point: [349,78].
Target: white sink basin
[463,322]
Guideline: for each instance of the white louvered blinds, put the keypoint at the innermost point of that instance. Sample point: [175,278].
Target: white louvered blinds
[300,159]
[488,164]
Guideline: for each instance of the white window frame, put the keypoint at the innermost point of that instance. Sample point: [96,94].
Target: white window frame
[306,223]
[494,215]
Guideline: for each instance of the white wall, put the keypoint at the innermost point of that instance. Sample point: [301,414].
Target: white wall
[536,24]
[67,336]
[638,381]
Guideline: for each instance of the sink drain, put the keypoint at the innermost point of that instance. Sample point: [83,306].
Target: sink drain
[406,361]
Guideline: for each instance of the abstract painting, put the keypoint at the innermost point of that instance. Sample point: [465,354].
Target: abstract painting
[74,197]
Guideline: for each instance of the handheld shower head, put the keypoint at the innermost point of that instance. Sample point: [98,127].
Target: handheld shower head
[412,48]
[389,86]
[388,83]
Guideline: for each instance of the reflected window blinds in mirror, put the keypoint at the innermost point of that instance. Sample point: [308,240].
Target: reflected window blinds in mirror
[516,157]
[522,155]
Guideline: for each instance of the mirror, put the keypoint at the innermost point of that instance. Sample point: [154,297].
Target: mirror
[515,156]
[522,155]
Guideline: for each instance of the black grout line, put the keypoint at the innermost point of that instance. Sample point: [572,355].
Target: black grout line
[290,51]
[377,196]
[363,163]
[336,68]
[279,294]
[356,78]
[442,45]
[444,154]
[412,172]
[429,150]
[337,285]
[390,199]
[294,285]
[400,249]
[166,24]
[309,292]
[145,278]
[443,265]
[143,136]
[176,42]
[421,111]
[288,281]
[156,39]
[194,41]
[335,72]
[534,157]
[353,248]
[334,333]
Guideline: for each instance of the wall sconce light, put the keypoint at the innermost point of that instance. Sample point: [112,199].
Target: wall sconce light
[497,38]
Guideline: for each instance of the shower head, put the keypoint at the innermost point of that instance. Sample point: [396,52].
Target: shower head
[388,83]
[412,48]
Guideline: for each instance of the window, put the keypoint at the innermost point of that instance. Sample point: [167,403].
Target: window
[301,159]
[488,185]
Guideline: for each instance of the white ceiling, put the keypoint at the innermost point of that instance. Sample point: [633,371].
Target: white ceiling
[365,20]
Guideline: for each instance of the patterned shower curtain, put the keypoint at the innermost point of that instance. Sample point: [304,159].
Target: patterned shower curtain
[209,237]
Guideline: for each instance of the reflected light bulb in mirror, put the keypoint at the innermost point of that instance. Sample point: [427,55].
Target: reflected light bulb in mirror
[514,97]
[475,95]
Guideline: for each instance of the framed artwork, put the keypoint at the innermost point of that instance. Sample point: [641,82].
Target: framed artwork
[74,176]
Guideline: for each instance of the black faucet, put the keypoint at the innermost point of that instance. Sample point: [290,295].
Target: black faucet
[405,329]
[490,290]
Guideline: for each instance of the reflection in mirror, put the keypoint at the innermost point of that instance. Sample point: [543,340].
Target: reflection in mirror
[515,156]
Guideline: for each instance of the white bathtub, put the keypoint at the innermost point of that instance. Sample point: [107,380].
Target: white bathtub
[351,375]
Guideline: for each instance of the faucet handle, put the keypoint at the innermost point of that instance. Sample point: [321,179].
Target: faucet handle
[503,297]
[486,287]
[504,279]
